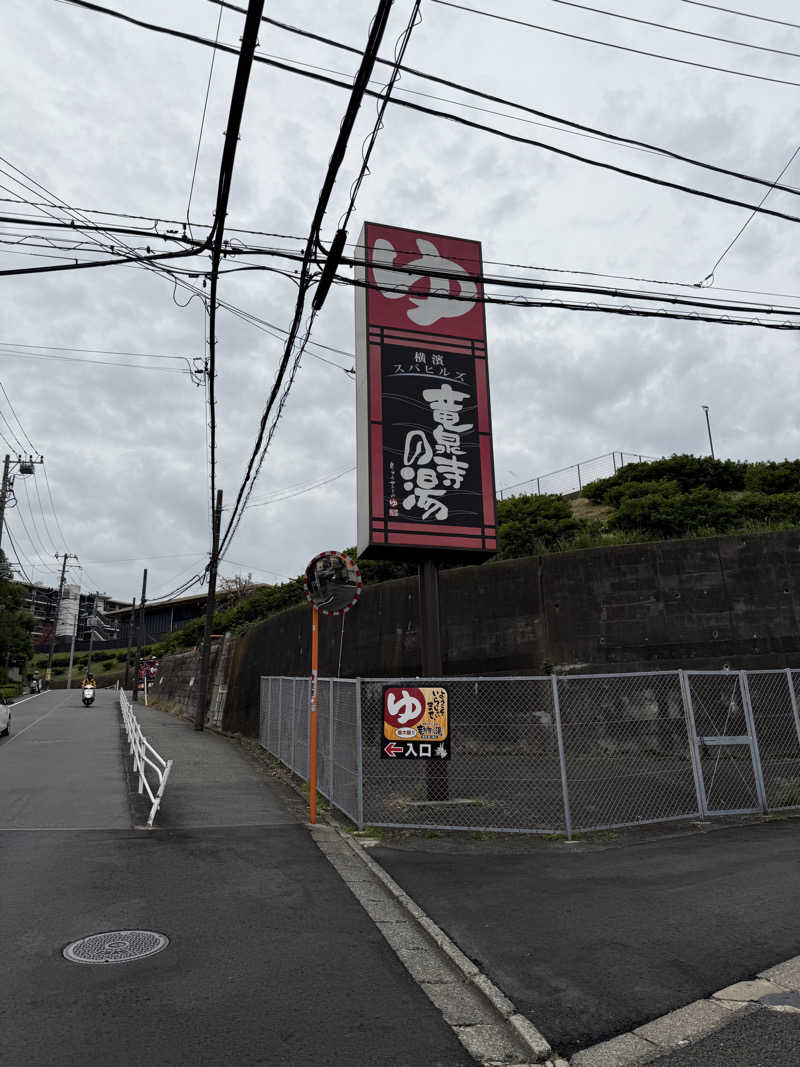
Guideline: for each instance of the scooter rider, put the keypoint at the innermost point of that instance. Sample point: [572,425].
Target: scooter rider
[89,680]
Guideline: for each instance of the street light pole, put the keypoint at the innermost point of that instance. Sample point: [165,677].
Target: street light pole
[708,424]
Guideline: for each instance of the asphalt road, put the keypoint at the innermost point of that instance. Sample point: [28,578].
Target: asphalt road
[590,941]
[766,1039]
[271,960]
[60,766]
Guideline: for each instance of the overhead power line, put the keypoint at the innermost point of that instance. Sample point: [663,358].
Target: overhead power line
[203,121]
[742,14]
[301,492]
[357,92]
[609,44]
[710,276]
[90,362]
[267,326]
[492,98]
[613,309]
[461,120]
[17,555]
[676,29]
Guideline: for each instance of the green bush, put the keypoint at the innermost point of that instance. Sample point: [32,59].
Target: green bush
[779,509]
[773,478]
[527,525]
[690,472]
[676,514]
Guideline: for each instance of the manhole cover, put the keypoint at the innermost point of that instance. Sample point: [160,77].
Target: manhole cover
[115,946]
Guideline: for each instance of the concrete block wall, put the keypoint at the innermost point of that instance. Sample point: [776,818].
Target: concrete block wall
[697,604]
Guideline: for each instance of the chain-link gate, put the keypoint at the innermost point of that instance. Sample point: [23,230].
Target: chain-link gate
[724,749]
[774,701]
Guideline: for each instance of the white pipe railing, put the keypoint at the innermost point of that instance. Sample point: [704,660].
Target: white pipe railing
[144,755]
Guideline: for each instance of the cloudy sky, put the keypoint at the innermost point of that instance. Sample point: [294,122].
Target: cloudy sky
[106,116]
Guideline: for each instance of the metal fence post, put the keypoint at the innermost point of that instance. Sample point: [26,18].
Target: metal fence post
[691,736]
[744,687]
[294,726]
[359,760]
[561,758]
[332,736]
[793,698]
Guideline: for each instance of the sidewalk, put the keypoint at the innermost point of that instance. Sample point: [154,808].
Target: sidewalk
[590,941]
[271,959]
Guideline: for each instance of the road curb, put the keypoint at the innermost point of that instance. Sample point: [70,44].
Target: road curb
[684,1026]
[497,1033]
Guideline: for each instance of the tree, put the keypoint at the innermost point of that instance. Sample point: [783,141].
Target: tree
[16,623]
[236,588]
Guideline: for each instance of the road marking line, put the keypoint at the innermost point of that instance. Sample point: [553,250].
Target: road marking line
[15,735]
[33,696]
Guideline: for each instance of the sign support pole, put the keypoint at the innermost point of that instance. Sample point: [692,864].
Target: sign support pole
[312,733]
[437,785]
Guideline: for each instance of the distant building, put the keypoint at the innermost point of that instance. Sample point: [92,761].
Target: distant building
[84,614]
[162,617]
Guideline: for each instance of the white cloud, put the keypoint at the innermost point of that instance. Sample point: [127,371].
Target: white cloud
[107,116]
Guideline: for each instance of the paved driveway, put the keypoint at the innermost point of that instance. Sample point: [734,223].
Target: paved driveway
[590,941]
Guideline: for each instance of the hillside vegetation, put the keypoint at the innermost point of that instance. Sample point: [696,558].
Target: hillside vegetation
[682,496]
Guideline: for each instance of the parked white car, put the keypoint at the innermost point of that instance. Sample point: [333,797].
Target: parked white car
[5,718]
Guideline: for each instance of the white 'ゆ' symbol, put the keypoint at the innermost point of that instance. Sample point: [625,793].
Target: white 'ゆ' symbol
[403,708]
[395,283]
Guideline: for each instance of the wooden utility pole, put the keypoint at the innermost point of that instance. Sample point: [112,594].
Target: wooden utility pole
[203,689]
[131,625]
[139,632]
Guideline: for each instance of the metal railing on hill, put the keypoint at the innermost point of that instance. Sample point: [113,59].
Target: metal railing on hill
[144,755]
[569,480]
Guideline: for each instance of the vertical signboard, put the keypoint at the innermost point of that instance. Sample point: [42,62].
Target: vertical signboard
[425,466]
[415,723]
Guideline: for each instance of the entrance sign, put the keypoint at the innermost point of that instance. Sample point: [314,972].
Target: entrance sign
[425,466]
[415,723]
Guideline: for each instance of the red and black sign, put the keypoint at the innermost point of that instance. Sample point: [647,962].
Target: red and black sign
[415,723]
[425,468]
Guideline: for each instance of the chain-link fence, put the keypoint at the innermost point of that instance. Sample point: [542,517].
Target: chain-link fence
[284,731]
[558,754]
[569,480]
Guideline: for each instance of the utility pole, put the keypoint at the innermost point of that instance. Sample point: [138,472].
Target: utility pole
[131,625]
[64,558]
[25,466]
[203,694]
[139,632]
[3,496]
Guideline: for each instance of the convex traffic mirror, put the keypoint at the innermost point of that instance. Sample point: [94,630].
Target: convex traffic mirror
[332,583]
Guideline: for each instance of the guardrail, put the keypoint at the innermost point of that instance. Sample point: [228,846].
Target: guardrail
[144,755]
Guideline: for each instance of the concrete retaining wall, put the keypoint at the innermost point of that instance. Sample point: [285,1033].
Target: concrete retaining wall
[700,604]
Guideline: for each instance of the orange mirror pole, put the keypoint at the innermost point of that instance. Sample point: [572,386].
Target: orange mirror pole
[312,738]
